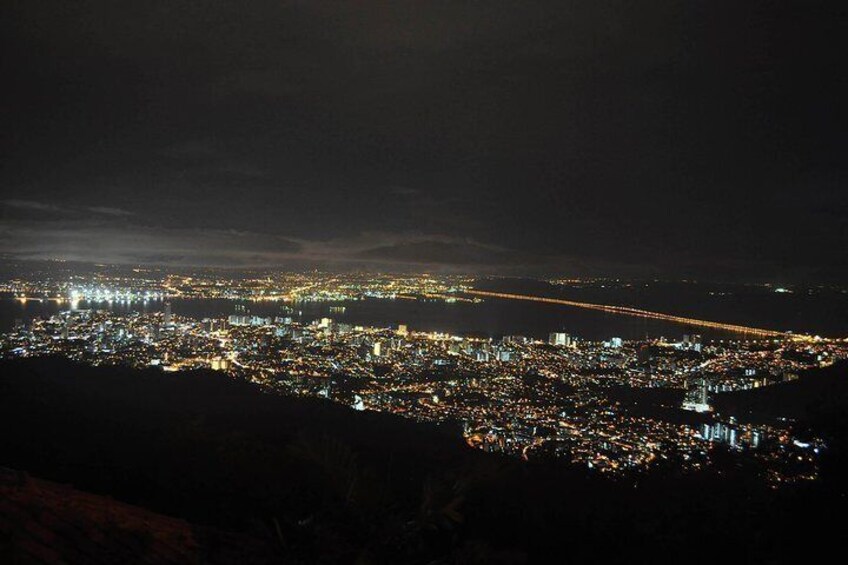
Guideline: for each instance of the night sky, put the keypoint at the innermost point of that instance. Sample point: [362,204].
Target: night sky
[650,138]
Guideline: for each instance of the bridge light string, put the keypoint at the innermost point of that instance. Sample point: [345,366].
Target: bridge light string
[628,311]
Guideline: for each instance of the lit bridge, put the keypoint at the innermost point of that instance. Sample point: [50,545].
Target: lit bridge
[628,311]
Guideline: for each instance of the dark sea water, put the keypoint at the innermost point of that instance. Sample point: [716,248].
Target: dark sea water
[825,313]
[813,310]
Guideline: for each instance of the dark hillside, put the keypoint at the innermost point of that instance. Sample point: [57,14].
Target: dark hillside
[321,483]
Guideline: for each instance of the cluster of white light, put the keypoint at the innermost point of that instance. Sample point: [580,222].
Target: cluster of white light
[95,294]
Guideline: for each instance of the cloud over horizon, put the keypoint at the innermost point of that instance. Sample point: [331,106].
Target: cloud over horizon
[663,137]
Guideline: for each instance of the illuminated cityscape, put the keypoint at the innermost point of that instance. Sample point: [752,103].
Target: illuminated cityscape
[564,397]
[423,283]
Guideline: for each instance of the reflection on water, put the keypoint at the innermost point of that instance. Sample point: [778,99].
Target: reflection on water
[493,318]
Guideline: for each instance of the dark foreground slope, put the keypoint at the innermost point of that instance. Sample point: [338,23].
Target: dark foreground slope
[45,522]
[310,481]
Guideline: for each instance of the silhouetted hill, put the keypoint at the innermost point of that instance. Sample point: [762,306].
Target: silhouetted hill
[817,396]
[318,482]
[817,402]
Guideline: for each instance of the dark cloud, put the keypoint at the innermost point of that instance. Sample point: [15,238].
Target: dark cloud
[108,210]
[462,253]
[679,137]
[108,237]
[41,211]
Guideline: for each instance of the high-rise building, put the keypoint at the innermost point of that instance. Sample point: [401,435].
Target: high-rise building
[260,321]
[220,364]
[167,317]
[559,338]
[239,320]
[695,342]
[696,398]
[517,339]
[402,330]
[692,341]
